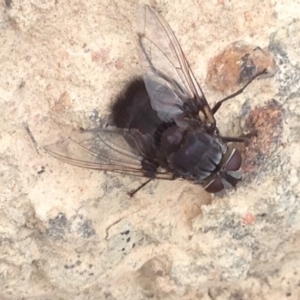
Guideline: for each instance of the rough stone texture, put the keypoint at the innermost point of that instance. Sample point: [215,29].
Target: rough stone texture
[70,233]
[237,64]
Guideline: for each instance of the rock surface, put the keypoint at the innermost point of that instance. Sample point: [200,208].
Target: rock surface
[70,233]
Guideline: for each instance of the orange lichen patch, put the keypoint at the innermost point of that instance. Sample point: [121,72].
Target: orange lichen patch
[102,55]
[267,122]
[119,64]
[248,15]
[248,219]
[63,103]
[237,64]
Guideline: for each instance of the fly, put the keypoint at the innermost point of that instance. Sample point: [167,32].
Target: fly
[162,125]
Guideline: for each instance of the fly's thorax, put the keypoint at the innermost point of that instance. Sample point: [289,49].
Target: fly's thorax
[195,155]
[171,140]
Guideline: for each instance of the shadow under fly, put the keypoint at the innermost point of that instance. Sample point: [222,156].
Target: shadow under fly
[161,125]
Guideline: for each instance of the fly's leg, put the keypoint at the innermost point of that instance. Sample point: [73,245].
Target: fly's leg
[131,193]
[245,138]
[240,91]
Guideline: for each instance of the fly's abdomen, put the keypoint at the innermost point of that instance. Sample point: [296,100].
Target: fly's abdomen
[133,110]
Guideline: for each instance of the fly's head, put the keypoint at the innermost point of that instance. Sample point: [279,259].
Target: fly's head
[227,174]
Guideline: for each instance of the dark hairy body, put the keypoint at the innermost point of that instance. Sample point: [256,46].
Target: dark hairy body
[188,153]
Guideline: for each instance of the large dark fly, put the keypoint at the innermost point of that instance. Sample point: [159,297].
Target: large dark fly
[163,126]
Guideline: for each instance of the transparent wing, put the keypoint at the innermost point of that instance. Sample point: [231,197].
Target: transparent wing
[110,149]
[171,85]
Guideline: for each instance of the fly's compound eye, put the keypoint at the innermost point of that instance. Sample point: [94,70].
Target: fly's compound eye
[230,175]
[234,162]
[215,186]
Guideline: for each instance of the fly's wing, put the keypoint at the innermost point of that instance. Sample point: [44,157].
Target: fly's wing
[172,87]
[110,149]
